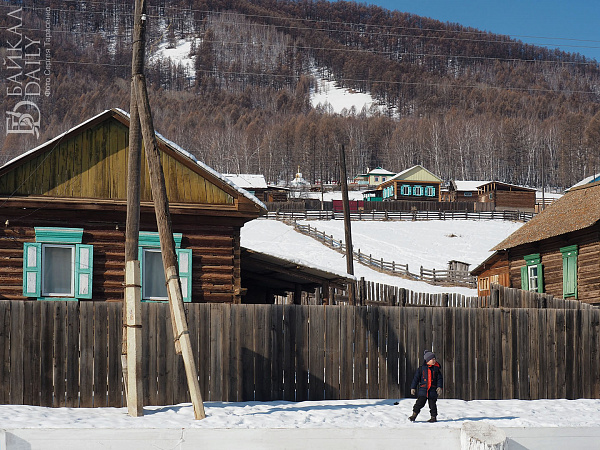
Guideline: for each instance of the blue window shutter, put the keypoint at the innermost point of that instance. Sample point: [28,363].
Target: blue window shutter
[184,258]
[540,278]
[524,278]
[84,269]
[32,269]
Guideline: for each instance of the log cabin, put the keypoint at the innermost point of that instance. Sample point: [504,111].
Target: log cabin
[494,270]
[504,196]
[558,251]
[414,184]
[63,212]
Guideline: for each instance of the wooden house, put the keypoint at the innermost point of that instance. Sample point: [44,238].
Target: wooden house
[63,210]
[494,270]
[256,185]
[507,196]
[558,251]
[373,177]
[464,191]
[415,184]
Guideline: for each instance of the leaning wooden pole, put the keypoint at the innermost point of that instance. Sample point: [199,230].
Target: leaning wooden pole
[347,227]
[167,244]
[131,359]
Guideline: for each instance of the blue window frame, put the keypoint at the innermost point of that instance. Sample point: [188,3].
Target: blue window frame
[429,191]
[152,272]
[57,266]
[405,189]
[418,190]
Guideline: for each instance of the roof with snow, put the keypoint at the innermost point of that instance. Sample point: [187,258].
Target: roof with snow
[576,210]
[588,180]
[415,173]
[90,161]
[380,171]
[247,181]
[462,185]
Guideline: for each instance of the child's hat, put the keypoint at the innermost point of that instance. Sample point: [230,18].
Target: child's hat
[428,355]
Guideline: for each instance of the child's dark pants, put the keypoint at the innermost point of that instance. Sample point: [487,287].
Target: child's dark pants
[421,402]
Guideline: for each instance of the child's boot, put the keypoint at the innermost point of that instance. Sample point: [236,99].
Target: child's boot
[413,417]
[432,419]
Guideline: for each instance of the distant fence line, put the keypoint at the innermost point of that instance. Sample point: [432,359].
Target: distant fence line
[432,276]
[402,215]
[64,353]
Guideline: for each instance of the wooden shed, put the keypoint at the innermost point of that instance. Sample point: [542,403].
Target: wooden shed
[464,191]
[494,270]
[558,251]
[415,184]
[507,196]
[63,210]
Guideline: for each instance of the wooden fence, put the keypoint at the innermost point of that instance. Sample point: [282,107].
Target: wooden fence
[402,215]
[68,353]
[432,276]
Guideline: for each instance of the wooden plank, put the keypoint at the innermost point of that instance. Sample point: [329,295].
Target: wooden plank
[373,352]
[277,352]
[495,354]
[332,352]
[289,353]
[60,317]
[542,351]
[561,353]
[31,355]
[550,349]
[316,352]
[47,352]
[225,340]
[534,355]
[164,341]
[151,345]
[346,352]
[262,353]
[169,356]
[216,351]
[86,371]
[204,360]
[191,312]
[100,349]
[414,355]
[595,351]
[462,348]
[247,351]
[235,355]
[115,380]
[582,355]
[403,375]
[17,329]
[507,356]
[72,354]
[360,360]
[570,369]
[5,352]
[523,353]
[393,341]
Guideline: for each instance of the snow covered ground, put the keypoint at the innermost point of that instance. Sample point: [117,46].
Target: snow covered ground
[428,243]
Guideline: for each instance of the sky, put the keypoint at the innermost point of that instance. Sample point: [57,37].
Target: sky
[571,25]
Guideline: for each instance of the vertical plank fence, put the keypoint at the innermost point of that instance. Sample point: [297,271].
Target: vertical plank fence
[67,353]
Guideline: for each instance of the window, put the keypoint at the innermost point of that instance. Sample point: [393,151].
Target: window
[405,189]
[376,179]
[417,191]
[468,194]
[57,265]
[152,271]
[569,256]
[532,276]
[429,191]
[382,179]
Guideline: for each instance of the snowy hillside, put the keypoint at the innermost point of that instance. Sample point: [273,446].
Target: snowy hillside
[428,243]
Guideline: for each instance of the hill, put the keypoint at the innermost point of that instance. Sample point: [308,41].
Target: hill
[462,102]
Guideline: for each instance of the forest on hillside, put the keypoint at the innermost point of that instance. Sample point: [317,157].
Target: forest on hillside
[465,104]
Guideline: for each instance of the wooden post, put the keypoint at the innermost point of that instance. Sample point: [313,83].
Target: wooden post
[165,232]
[347,228]
[131,354]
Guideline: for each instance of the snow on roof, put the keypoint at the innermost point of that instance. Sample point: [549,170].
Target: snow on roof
[380,171]
[588,180]
[159,136]
[462,185]
[247,180]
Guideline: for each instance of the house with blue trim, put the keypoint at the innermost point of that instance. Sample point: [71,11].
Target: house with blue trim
[414,184]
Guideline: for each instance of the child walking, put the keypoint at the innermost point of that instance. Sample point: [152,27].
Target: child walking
[427,384]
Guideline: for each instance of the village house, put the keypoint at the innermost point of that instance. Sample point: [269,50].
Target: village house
[63,209]
[373,177]
[504,196]
[416,184]
[557,252]
[464,191]
[256,185]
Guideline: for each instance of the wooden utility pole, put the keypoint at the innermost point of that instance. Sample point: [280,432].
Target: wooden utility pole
[347,228]
[131,358]
[163,219]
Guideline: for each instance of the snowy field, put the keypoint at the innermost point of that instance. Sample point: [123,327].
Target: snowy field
[428,243]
